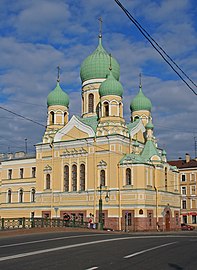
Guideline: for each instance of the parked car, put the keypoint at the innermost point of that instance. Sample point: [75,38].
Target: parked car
[186,227]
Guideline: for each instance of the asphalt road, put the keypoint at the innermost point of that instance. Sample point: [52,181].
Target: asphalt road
[89,251]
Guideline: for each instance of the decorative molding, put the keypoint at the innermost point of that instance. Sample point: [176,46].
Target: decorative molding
[47,169]
[102,165]
[74,122]
[74,153]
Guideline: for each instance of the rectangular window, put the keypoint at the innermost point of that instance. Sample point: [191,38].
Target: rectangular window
[10,174]
[21,173]
[33,172]
[183,190]
[185,219]
[184,204]
[193,190]
[193,219]
[183,177]
[192,177]
[193,204]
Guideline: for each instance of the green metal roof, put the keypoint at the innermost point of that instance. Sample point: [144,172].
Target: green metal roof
[110,86]
[149,151]
[132,158]
[58,97]
[89,121]
[140,102]
[133,124]
[97,64]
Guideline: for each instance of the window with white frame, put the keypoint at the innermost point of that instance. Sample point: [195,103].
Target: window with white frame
[183,190]
[20,196]
[33,193]
[128,176]
[184,204]
[183,177]
[10,174]
[192,177]
[9,198]
[193,190]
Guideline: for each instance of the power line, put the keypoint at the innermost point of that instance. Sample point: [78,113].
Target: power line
[21,116]
[151,41]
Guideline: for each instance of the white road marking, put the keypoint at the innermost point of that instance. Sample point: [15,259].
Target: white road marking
[92,268]
[37,252]
[49,239]
[149,249]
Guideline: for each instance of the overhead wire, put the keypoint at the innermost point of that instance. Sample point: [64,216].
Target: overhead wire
[152,41]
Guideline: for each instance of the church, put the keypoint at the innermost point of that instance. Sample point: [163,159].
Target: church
[95,165]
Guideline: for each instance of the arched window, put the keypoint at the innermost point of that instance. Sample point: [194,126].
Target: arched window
[52,117]
[91,103]
[128,176]
[82,177]
[66,178]
[74,178]
[106,108]
[48,181]
[33,193]
[9,196]
[102,178]
[20,199]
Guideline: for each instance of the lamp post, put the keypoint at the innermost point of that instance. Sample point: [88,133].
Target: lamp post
[101,206]
[100,209]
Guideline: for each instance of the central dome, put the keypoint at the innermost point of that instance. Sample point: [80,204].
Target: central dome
[96,65]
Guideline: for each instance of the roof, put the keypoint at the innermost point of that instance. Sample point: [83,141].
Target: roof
[133,124]
[58,97]
[133,158]
[181,163]
[141,102]
[110,86]
[89,121]
[96,65]
[149,150]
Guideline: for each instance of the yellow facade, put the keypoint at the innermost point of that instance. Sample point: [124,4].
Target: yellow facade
[97,156]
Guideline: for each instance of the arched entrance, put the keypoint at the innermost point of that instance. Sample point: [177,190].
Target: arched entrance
[167,220]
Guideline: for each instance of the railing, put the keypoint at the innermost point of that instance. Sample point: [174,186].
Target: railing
[27,223]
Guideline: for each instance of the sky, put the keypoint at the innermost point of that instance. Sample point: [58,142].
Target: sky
[36,36]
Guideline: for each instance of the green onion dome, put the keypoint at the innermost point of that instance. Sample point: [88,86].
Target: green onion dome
[57,97]
[96,65]
[141,102]
[110,86]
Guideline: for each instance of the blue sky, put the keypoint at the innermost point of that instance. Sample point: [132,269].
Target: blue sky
[38,35]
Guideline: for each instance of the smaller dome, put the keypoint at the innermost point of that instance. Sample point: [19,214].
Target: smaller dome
[57,97]
[110,87]
[164,153]
[141,102]
[149,125]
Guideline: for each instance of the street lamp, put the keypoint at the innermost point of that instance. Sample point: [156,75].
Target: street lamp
[101,206]
[100,209]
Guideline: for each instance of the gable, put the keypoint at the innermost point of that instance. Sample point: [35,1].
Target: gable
[74,129]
